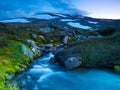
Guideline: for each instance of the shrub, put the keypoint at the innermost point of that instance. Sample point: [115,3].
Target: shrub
[3,42]
[107,31]
[117,68]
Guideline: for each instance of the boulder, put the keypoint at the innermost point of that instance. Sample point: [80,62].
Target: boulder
[72,62]
[52,60]
[34,36]
[69,59]
[65,40]
[34,47]
[46,48]
[42,37]
[27,52]
[66,31]
[46,29]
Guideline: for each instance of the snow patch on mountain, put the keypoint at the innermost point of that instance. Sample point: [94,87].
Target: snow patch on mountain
[67,20]
[92,22]
[61,15]
[106,20]
[78,25]
[43,16]
[20,20]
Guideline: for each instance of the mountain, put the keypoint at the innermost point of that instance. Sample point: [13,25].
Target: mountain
[66,20]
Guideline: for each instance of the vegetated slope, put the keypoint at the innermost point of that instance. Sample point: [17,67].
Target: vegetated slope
[95,52]
[53,28]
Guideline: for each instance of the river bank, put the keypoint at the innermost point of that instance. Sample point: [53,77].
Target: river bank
[46,76]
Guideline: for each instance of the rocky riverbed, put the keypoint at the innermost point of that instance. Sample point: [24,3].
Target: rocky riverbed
[43,75]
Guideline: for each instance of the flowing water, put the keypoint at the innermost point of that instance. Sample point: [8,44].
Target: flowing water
[45,76]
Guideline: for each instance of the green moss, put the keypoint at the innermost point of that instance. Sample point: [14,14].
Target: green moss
[37,55]
[95,52]
[12,61]
[56,43]
[117,68]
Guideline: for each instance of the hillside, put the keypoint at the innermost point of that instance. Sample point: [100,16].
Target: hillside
[95,42]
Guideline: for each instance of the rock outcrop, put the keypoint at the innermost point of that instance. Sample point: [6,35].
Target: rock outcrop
[34,47]
[65,40]
[69,59]
[27,52]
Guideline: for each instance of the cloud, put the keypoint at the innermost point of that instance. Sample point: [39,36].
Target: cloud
[20,8]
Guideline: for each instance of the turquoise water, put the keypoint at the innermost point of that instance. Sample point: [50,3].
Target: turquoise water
[45,76]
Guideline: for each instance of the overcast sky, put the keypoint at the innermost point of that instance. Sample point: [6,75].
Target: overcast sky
[92,8]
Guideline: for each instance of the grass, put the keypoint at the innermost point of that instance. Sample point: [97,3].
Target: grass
[102,50]
[12,61]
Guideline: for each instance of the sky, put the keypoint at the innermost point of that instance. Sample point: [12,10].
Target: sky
[108,9]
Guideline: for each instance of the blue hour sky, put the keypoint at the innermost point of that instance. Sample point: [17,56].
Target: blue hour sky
[93,8]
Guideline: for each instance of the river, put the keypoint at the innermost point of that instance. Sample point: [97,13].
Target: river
[45,76]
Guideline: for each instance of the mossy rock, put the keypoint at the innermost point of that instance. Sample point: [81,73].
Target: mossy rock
[95,52]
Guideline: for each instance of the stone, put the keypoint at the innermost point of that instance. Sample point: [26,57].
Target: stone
[69,59]
[66,31]
[47,48]
[52,60]
[40,36]
[34,47]
[27,52]
[72,62]
[65,40]
[46,29]
[34,36]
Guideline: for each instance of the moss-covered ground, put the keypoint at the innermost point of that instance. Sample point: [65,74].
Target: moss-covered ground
[95,52]
[12,60]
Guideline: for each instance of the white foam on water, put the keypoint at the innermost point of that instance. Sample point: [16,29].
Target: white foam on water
[35,88]
[41,70]
[45,76]
[37,66]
